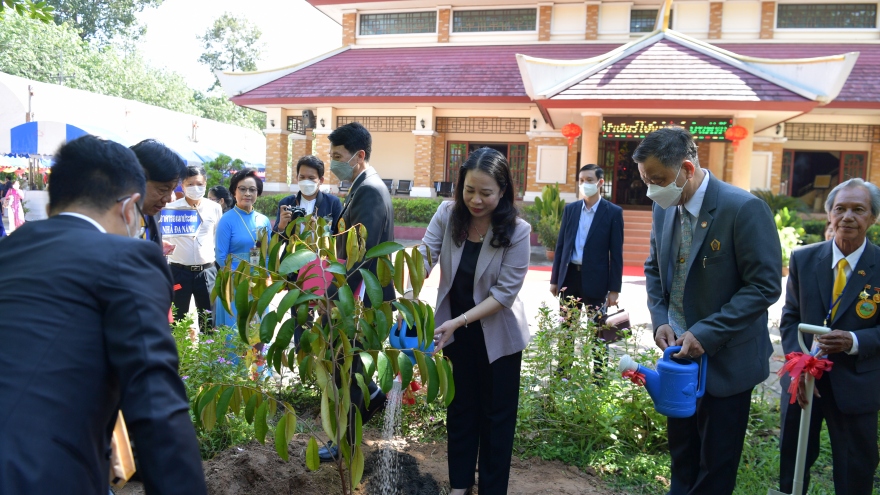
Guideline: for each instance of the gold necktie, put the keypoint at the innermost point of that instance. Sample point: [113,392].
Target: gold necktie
[839,284]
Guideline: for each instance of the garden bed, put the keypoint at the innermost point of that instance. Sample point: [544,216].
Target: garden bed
[255,468]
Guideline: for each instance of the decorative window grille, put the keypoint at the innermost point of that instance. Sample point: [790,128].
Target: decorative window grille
[842,133]
[295,125]
[398,23]
[481,21]
[643,20]
[827,15]
[381,124]
[483,125]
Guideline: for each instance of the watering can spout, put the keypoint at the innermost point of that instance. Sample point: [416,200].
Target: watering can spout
[652,379]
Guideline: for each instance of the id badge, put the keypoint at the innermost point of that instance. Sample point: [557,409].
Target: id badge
[255,256]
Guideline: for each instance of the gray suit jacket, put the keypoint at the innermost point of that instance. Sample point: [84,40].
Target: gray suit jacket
[807,297]
[734,275]
[368,203]
[500,273]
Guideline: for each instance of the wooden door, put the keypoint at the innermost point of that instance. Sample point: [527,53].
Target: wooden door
[518,159]
[457,154]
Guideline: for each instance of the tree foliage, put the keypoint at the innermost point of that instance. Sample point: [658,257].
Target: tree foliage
[40,11]
[102,20]
[43,52]
[231,44]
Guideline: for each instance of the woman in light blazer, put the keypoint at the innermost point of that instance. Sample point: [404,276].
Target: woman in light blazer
[483,250]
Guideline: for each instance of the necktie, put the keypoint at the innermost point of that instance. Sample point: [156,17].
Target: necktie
[676,295]
[839,285]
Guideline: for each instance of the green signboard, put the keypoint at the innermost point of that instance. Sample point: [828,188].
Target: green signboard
[703,129]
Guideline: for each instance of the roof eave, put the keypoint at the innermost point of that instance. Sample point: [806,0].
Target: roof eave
[235,84]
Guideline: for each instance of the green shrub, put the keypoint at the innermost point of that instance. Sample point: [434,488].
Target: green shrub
[531,213]
[874,234]
[777,202]
[815,227]
[548,232]
[267,204]
[414,210]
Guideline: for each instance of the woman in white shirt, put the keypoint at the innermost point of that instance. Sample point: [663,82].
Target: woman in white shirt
[192,261]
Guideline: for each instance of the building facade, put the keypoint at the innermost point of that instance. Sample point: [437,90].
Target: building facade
[433,82]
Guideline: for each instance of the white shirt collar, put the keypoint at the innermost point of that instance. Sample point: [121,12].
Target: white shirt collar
[853,258]
[87,219]
[695,203]
[593,208]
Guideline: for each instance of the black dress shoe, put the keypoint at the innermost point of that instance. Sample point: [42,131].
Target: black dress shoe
[328,452]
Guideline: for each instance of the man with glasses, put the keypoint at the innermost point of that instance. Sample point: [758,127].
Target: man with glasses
[90,304]
[163,169]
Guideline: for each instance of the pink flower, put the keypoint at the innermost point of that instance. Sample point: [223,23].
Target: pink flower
[209,341]
[221,360]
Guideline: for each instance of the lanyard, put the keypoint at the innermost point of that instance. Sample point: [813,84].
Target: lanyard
[246,226]
[836,301]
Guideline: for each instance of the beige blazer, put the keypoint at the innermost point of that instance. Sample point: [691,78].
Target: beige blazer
[500,273]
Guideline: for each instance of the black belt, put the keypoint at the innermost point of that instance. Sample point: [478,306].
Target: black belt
[194,268]
[575,266]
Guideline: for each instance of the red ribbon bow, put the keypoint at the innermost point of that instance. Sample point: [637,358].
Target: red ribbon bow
[177,286]
[635,377]
[798,363]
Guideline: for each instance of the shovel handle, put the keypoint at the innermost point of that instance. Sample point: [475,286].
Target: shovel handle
[811,329]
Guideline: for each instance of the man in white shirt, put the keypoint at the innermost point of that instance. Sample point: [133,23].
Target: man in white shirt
[192,261]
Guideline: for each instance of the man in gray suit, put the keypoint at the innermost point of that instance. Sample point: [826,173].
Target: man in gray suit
[714,268]
[368,203]
[836,284]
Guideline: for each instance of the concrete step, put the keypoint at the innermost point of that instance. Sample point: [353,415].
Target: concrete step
[634,259]
[637,225]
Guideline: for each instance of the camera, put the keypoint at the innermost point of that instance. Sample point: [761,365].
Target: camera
[295,211]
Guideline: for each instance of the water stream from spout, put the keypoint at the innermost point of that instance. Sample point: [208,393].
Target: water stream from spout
[389,464]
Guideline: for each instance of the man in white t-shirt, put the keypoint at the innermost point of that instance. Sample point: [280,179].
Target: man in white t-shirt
[192,261]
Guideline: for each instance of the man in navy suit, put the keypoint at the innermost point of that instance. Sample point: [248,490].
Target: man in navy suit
[589,252]
[713,270]
[90,335]
[836,284]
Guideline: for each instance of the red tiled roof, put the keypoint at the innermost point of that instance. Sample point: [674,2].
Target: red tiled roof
[490,73]
[667,70]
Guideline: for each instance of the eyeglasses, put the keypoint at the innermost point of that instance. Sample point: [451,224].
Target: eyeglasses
[143,228]
[247,190]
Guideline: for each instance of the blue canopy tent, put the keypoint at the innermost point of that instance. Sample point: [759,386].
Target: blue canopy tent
[43,138]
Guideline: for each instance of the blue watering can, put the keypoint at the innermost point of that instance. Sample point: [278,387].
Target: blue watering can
[676,384]
[399,340]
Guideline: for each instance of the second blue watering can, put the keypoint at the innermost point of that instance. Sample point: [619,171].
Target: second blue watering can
[399,340]
[676,384]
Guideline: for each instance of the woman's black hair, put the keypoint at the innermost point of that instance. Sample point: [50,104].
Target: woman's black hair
[494,164]
[242,175]
[223,194]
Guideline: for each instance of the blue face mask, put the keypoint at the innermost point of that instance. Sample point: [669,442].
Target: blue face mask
[342,170]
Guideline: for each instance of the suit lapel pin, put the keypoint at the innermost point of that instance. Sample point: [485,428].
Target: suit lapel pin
[876,297]
[862,273]
[704,224]
[715,244]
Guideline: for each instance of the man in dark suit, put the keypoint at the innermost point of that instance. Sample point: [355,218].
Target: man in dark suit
[713,270]
[589,252]
[368,203]
[164,169]
[836,284]
[90,305]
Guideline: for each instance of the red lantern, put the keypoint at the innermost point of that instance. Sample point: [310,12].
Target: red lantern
[571,131]
[736,134]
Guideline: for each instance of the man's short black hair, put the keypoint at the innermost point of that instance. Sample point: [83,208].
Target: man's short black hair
[311,161]
[242,175]
[94,173]
[592,166]
[194,171]
[161,163]
[668,145]
[354,137]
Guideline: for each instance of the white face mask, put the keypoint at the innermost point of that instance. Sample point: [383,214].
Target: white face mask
[589,190]
[308,187]
[195,193]
[668,195]
[133,231]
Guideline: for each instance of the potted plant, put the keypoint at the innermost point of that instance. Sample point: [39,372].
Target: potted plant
[548,233]
[789,228]
[550,205]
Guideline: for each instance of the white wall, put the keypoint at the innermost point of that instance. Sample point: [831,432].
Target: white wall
[614,19]
[394,154]
[692,19]
[741,20]
[569,19]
